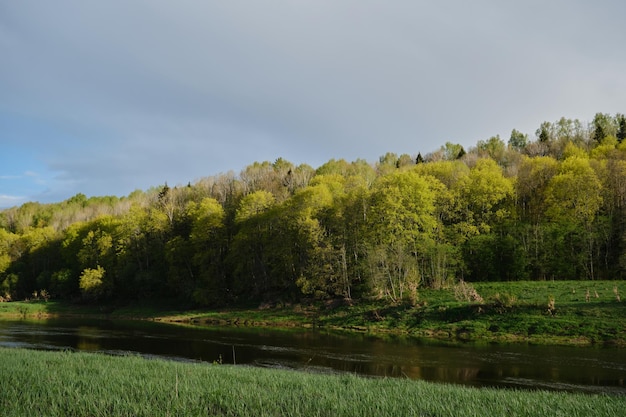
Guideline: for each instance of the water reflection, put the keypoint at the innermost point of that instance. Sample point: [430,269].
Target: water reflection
[562,368]
[87,338]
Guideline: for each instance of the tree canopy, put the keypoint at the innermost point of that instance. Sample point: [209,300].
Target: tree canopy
[549,208]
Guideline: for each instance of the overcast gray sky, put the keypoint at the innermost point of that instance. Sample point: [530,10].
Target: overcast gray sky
[105,97]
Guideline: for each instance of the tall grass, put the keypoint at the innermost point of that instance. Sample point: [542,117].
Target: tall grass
[34,383]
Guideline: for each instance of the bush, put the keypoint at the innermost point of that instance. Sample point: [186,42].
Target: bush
[504,301]
[464,291]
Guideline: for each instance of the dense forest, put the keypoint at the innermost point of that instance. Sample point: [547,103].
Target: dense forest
[553,207]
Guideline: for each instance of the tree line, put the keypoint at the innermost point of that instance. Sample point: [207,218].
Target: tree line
[548,208]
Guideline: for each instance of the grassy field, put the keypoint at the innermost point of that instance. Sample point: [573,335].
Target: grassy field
[36,383]
[535,312]
[548,312]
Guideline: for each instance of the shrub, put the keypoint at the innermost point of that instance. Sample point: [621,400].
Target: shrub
[504,301]
[464,291]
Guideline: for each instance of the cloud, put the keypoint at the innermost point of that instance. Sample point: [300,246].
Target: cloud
[112,96]
[11,200]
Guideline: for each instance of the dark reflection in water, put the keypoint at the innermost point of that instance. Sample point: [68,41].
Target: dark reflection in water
[557,368]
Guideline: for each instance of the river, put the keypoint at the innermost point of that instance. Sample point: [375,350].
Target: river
[513,366]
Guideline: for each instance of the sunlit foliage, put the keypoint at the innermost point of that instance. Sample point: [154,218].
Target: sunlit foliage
[549,208]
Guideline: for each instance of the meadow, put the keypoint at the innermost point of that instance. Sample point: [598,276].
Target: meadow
[38,383]
[542,312]
[581,313]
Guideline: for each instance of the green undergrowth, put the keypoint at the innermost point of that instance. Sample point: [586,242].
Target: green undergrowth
[36,383]
[547,312]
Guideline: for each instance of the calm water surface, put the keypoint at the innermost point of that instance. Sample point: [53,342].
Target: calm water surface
[555,368]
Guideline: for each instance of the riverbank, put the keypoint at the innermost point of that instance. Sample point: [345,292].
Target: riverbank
[550,312]
[79,384]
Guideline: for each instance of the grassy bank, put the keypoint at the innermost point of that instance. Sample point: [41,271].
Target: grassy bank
[77,384]
[549,312]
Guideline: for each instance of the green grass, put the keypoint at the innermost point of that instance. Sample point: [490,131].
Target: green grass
[546,312]
[44,309]
[509,312]
[36,383]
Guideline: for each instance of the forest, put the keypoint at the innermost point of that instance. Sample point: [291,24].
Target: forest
[551,207]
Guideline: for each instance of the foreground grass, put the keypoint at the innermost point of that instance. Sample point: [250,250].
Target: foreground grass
[548,312]
[38,383]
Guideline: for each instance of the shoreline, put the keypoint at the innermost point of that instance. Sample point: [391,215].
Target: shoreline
[530,312]
[454,333]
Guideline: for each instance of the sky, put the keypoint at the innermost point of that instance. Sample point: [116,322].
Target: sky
[107,97]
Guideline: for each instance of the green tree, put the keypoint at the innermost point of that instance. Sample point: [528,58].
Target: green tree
[573,198]
[545,133]
[34,256]
[7,241]
[92,283]
[574,193]
[568,130]
[534,175]
[405,160]
[603,125]
[621,127]
[96,246]
[495,256]
[493,148]
[486,196]
[518,140]
[452,151]
[350,231]
[334,166]
[402,224]
[387,163]
[570,150]
[64,284]
[141,237]
[254,204]
[209,246]
[449,211]
[312,215]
